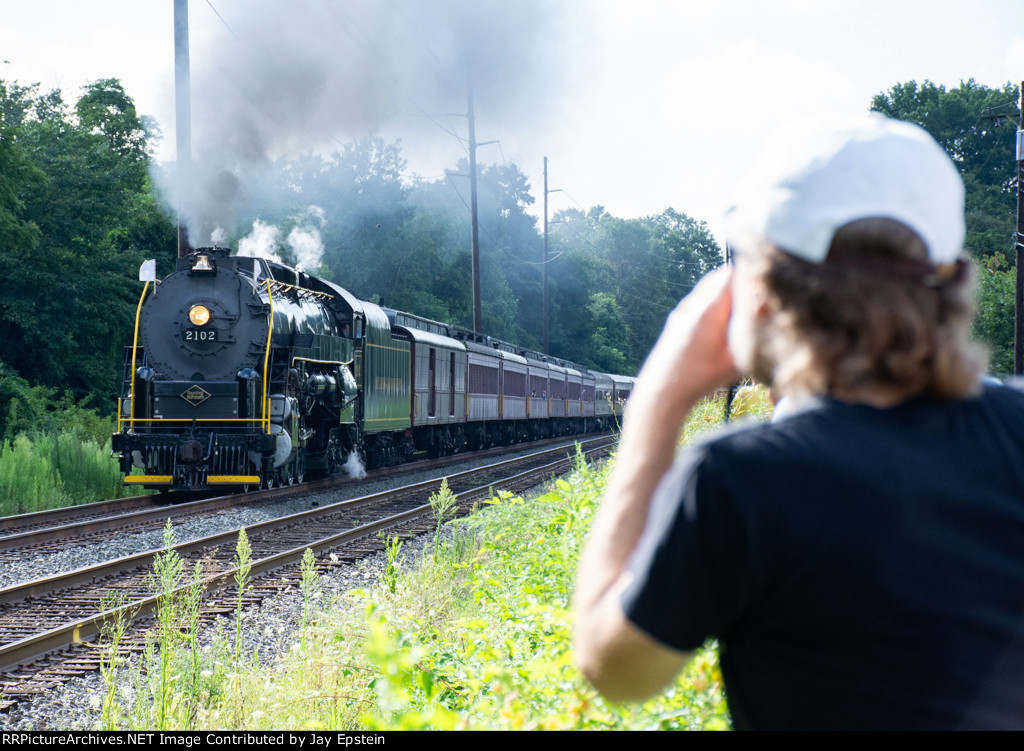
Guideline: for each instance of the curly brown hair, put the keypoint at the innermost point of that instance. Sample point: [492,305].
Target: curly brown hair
[846,327]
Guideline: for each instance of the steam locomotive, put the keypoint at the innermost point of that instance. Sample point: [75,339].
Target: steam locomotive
[245,372]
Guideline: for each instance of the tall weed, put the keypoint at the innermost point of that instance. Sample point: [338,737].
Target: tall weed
[29,481]
[168,573]
[53,470]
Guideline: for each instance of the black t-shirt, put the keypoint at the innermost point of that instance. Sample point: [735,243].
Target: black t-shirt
[860,567]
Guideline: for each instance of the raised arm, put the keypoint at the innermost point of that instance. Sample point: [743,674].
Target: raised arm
[690,359]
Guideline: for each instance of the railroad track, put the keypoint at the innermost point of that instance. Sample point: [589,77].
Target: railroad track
[49,628]
[55,529]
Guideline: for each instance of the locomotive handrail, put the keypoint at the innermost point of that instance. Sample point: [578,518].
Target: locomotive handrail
[321,362]
[266,359]
[135,349]
[194,419]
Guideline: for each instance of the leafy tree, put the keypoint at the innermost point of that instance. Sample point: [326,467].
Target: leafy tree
[106,109]
[18,234]
[84,218]
[994,322]
[980,147]
[609,334]
[642,265]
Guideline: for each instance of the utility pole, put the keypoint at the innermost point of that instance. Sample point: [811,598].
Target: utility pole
[1018,312]
[545,263]
[477,326]
[183,117]
[1018,323]
[473,213]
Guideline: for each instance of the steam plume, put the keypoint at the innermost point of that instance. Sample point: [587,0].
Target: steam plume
[286,78]
[303,248]
[354,466]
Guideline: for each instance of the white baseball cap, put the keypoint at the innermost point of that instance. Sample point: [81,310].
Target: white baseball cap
[816,177]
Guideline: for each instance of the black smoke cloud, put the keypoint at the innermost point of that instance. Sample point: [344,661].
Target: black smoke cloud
[282,78]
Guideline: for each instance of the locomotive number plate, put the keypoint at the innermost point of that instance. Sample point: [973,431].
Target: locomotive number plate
[199,335]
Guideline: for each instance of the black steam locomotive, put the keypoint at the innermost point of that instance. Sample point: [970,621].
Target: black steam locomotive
[245,372]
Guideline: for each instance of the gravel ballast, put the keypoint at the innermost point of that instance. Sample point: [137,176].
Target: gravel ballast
[269,628]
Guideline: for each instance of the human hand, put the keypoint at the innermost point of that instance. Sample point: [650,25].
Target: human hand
[691,357]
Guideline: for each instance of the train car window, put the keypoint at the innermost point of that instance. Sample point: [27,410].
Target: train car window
[557,388]
[432,375]
[483,380]
[515,383]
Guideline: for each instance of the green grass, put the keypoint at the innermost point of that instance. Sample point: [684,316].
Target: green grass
[479,634]
[473,633]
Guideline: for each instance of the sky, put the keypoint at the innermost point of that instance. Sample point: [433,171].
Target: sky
[638,105]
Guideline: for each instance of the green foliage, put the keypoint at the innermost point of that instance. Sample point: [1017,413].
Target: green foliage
[72,212]
[955,119]
[111,659]
[54,451]
[104,108]
[392,547]
[443,503]
[38,409]
[617,280]
[50,471]
[28,480]
[177,684]
[496,654]
[994,322]
[168,572]
[310,591]
[19,234]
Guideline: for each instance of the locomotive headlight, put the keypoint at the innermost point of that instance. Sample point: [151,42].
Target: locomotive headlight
[199,315]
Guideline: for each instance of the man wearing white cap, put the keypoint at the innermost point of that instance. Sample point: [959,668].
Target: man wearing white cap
[861,561]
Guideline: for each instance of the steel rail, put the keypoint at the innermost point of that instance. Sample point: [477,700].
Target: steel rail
[79,630]
[104,515]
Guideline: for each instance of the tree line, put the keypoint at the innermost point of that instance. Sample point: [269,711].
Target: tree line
[79,212]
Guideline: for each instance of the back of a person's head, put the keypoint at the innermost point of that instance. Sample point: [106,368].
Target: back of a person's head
[856,234]
[842,327]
